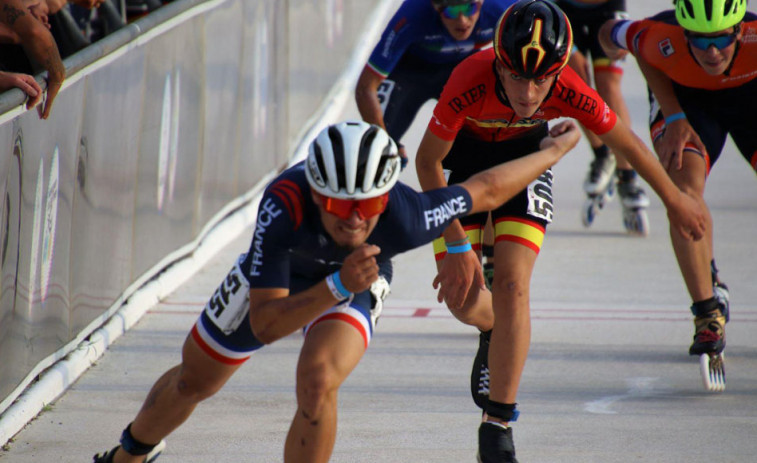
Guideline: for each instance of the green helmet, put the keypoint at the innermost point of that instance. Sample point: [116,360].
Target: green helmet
[708,16]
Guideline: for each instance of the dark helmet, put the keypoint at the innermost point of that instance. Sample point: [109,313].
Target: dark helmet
[533,39]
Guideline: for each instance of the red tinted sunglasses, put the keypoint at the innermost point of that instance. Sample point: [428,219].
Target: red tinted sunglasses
[365,208]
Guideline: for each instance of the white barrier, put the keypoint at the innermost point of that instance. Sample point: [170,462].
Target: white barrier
[157,147]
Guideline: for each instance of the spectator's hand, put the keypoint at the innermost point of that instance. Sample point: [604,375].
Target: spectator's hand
[360,269]
[8,35]
[669,147]
[53,86]
[457,274]
[25,82]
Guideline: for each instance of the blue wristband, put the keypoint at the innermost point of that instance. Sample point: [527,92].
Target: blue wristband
[674,117]
[459,249]
[339,286]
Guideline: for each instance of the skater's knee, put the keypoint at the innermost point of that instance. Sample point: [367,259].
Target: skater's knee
[690,186]
[473,316]
[475,310]
[316,385]
[193,387]
[510,287]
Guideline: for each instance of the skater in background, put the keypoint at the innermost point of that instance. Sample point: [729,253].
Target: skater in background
[320,262]
[423,42]
[495,107]
[586,16]
[700,62]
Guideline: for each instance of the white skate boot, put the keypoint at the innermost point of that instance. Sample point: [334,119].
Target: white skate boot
[635,203]
[599,187]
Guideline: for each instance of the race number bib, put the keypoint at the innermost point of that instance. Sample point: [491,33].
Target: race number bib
[229,305]
[384,92]
[540,197]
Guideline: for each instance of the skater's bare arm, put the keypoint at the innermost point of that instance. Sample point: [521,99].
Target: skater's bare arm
[274,313]
[683,211]
[458,272]
[366,97]
[495,186]
[678,132]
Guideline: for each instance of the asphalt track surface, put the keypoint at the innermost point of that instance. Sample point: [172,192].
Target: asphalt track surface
[608,377]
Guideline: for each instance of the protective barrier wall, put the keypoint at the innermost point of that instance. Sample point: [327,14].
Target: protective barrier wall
[157,129]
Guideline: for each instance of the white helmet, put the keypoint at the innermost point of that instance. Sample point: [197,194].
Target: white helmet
[352,160]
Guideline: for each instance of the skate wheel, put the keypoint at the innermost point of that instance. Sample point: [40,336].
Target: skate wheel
[610,193]
[712,368]
[636,222]
[589,212]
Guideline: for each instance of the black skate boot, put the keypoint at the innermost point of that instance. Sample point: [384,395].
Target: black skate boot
[488,274]
[479,378]
[710,317]
[107,457]
[709,325]
[132,447]
[495,443]
[488,267]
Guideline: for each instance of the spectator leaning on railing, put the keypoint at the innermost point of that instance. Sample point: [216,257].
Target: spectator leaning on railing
[19,24]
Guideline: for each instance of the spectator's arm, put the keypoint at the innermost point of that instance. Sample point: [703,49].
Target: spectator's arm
[39,45]
[8,36]
[55,6]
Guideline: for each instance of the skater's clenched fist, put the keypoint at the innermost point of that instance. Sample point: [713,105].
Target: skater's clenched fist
[360,269]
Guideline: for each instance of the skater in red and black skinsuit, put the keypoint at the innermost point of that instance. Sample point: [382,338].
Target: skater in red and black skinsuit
[495,107]
[700,62]
[586,17]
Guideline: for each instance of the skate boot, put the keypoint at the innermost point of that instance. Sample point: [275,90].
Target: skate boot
[635,203]
[599,187]
[479,378]
[709,342]
[488,274]
[487,252]
[720,291]
[153,455]
[495,443]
